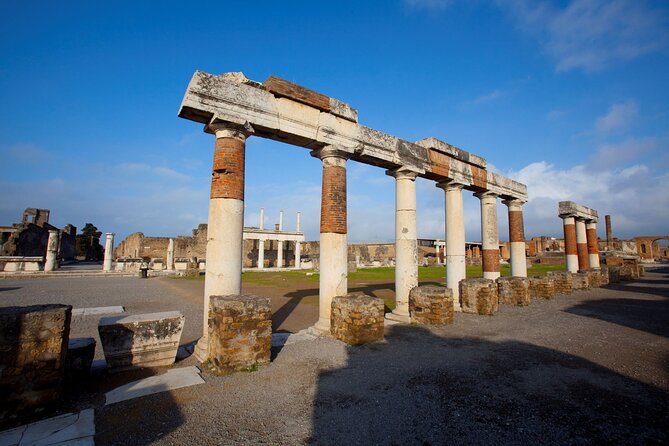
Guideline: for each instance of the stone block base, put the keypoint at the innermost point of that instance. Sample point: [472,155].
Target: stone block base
[33,346]
[581,280]
[603,276]
[564,283]
[431,305]
[542,287]
[594,278]
[479,296]
[357,319]
[80,354]
[240,332]
[614,274]
[514,290]
[143,340]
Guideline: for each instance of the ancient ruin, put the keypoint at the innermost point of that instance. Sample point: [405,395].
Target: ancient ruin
[580,235]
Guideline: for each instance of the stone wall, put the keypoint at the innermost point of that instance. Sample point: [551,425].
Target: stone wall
[514,290]
[431,305]
[542,287]
[357,319]
[479,296]
[563,281]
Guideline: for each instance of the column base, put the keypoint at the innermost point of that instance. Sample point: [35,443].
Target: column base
[320,328]
[201,351]
[399,317]
[491,275]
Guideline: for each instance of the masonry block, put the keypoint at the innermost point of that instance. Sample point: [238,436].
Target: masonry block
[142,340]
[240,332]
[514,290]
[542,287]
[357,319]
[594,278]
[431,305]
[33,346]
[564,283]
[604,276]
[479,296]
[80,355]
[581,280]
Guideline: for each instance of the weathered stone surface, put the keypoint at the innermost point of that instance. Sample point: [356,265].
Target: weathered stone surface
[80,354]
[594,278]
[604,276]
[514,290]
[479,296]
[569,208]
[542,287]
[357,319]
[143,340]
[614,274]
[240,332]
[431,305]
[581,280]
[564,283]
[33,345]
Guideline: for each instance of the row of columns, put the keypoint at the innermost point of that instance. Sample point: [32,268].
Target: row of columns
[279,255]
[580,243]
[52,248]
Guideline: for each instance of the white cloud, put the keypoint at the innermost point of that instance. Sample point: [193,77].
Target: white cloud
[495,94]
[611,155]
[619,117]
[428,4]
[161,171]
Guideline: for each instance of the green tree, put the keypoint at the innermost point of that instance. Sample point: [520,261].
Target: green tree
[88,243]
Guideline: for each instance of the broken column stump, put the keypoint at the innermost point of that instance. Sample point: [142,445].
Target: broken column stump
[80,354]
[142,340]
[431,305]
[240,332]
[357,319]
[542,287]
[580,280]
[514,290]
[33,346]
[564,283]
[479,296]
[594,278]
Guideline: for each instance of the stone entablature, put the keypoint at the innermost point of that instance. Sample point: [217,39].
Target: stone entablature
[571,209]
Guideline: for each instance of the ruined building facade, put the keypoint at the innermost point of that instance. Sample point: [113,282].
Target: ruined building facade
[29,238]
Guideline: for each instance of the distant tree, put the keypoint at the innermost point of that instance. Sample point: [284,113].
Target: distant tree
[88,243]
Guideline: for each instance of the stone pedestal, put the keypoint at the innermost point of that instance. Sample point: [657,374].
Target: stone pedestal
[614,274]
[240,332]
[80,355]
[604,276]
[33,347]
[357,319]
[581,280]
[514,290]
[542,287]
[594,278]
[479,296]
[564,284]
[431,305]
[143,340]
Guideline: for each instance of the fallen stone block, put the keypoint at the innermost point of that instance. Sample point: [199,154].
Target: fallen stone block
[172,379]
[142,340]
[564,283]
[580,281]
[542,287]
[240,332]
[479,296]
[431,305]
[80,354]
[357,319]
[514,290]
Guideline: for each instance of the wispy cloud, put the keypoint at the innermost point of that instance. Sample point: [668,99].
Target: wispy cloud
[616,154]
[25,153]
[488,97]
[160,171]
[618,118]
[428,4]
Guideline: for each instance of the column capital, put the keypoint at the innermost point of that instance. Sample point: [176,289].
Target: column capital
[331,151]
[514,203]
[110,234]
[486,194]
[402,173]
[224,129]
[450,185]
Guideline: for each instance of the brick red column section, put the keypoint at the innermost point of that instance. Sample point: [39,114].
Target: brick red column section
[333,207]
[591,234]
[490,260]
[227,177]
[516,227]
[570,239]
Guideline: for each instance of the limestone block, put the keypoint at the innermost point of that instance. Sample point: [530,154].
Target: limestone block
[614,274]
[80,354]
[431,305]
[542,287]
[240,332]
[479,296]
[33,346]
[514,290]
[604,276]
[581,280]
[594,278]
[357,319]
[142,340]
[564,283]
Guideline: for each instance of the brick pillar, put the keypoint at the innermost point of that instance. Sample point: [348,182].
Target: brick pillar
[333,249]
[52,251]
[593,248]
[582,245]
[489,235]
[609,233]
[109,249]
[516,237]
[571,253]
[455,239]
[406,243]
[226,221]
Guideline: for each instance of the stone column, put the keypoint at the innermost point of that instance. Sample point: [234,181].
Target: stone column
[170,255]
[516,237]
[52,251]
[406,243]
[225,222]
[571,253]
[261,254]
[297,255]
[279,243]
[261,226]
[333,248]
[609,233]
[593,248]
[437,251]
[455,239]
[109,248]
[582,245]
[489,235]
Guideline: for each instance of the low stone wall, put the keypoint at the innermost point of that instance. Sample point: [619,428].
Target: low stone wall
[143,340]
[564,283]
[581,280]
[614,274]
[33,347]
[20,263]
[357,319]
[125,264]
[603,276]
[514,290]
[240,332]
[542,287]
[594,278]
[80,355]
[479,296]
[431,305]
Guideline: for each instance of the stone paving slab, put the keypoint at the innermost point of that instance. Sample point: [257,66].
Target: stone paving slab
[98,310]
[173,379]
[67,429]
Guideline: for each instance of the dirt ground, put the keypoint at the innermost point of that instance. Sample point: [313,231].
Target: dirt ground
[590,367]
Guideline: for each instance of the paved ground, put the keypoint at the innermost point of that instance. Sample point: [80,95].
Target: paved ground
[591,367]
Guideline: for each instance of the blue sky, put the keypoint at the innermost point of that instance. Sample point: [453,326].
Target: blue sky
[568,97]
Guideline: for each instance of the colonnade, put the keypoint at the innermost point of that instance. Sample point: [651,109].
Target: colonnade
[580,236]
[262,235]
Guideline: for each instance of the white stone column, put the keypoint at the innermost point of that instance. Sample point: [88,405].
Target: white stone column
[571,252]
[297,227]
[261,254]
[279,244]
[406,243]
[516,238]
[437,251]
[262,219]
[455,239]
[333,246]
[52,251]
[298,258]
[109,248]
[170,255]
[593,245]
[489,235]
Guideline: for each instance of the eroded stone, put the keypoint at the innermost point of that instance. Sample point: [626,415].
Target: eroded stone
[431,305]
